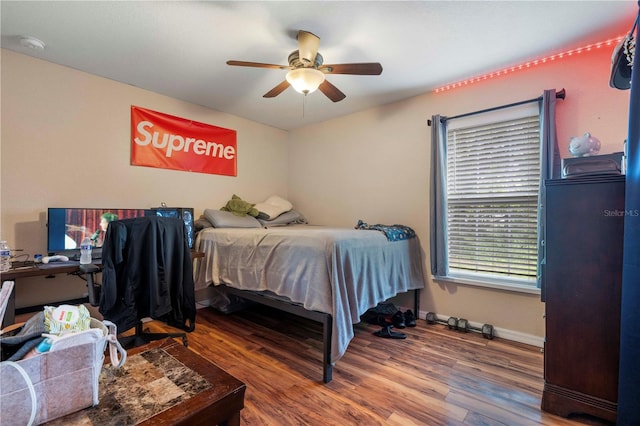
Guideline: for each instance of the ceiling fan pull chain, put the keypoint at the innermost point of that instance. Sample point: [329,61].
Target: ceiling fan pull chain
[304,104]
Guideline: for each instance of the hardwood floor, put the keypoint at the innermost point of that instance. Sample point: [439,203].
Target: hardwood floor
[434,377]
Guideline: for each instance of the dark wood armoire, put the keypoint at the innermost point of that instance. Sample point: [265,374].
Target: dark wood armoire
[581,288]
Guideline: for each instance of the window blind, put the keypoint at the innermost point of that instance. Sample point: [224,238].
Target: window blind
[493,174]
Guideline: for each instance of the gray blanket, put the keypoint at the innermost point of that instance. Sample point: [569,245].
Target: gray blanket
[339,271]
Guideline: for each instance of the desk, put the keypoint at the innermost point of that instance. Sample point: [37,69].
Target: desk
[46,269]
[215,397]
[40,269]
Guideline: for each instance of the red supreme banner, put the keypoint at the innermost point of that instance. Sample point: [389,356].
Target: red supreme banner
[168,142]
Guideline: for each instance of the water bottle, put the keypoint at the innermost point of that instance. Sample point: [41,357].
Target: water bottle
[85,251]
[5,257]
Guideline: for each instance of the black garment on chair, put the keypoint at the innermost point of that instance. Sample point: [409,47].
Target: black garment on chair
[147,271]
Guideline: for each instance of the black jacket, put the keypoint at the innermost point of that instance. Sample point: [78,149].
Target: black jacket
[147,271]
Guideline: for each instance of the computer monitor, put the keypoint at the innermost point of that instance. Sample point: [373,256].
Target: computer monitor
[184,213]
[68,226]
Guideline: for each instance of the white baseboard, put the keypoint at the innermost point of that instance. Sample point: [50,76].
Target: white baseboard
[518,336]
[503,333]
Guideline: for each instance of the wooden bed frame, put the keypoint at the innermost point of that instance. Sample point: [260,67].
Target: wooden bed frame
[325,319]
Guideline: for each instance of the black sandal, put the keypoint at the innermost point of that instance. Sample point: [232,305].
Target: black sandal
[386,332]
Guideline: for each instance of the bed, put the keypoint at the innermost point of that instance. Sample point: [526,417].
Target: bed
[330,275]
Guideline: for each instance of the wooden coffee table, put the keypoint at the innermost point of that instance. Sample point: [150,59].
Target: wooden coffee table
[216,397]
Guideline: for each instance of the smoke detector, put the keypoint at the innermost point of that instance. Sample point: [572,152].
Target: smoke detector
[31,43]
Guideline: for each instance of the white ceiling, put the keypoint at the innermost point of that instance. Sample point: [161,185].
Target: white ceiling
[180,48]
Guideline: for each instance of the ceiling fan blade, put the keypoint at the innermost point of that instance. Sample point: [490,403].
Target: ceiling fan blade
[364,68]
[277,90]
[331,91]
[308,44]
[258,65]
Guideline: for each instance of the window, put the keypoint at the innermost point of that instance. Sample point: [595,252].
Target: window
[492,182]
[489,193]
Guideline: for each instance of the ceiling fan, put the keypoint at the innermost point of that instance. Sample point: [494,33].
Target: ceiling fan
[307,69]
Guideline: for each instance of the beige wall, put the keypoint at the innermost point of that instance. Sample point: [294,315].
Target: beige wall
[66,143]
[374,166]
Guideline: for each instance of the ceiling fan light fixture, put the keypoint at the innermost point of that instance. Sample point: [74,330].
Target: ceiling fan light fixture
[305,80]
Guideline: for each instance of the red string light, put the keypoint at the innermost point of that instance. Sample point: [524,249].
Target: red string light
[519,67]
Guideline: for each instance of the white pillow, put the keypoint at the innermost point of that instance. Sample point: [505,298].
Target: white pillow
[273,207]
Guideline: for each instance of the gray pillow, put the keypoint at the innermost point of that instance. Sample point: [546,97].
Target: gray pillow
[222,219]
[201,223]
[287,218]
